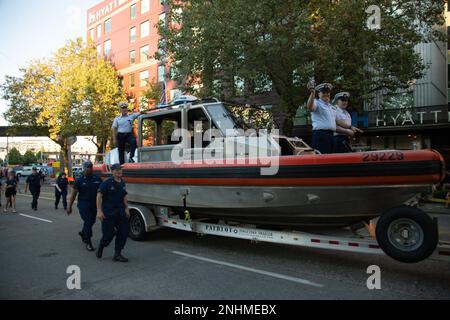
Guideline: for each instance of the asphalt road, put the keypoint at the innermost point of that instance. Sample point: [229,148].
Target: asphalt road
[35,255]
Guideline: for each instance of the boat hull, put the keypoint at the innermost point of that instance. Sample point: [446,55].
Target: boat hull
[279,206]
[310,190]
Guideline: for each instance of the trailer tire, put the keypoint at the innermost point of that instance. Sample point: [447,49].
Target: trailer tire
[407,234]
[137,230]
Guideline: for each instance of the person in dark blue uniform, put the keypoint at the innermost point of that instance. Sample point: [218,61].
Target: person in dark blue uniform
[34,184]
[112,205]
[61,190]
[86,187]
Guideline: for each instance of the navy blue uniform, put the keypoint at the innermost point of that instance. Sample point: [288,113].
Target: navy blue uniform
[34,184]
[113,208]
[62,183]
[87,187]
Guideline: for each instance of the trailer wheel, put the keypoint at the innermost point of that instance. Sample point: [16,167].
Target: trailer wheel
[137,230]
[407,234]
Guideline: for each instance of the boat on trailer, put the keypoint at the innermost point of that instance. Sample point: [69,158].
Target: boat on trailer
[209,160]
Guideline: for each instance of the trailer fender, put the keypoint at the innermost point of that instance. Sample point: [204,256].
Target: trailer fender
[147,215]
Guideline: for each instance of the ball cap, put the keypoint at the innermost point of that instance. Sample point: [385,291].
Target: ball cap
[123,105]
[116,166]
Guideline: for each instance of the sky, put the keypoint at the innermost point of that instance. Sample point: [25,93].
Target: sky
[33,29]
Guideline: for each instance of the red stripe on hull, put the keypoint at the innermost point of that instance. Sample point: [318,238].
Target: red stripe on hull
[354,181]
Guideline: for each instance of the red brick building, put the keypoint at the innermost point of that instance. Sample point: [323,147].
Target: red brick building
[125,31]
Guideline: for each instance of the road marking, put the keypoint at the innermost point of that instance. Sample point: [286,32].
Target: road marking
[27,216]
[266,273]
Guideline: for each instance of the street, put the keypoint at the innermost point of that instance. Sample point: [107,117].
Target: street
[36,248]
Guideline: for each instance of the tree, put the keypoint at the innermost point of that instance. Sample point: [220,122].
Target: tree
[286,43]
[150,95]
[29,158]
[73,92]
[14,157]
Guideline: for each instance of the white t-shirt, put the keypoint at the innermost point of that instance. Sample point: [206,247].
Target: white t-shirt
[323,115]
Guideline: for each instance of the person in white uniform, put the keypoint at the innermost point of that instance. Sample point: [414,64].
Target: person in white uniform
[122,128]
[323,116]
[342,136]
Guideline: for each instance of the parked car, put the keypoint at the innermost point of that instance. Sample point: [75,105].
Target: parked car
[77,172]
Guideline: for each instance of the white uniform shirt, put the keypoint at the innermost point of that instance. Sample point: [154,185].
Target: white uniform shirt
[125,124]
[342,114]
[323,115]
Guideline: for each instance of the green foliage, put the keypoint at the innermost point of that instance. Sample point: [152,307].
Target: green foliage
[14,157]
[29,158]
[286,43]
[73,92]
[150,95]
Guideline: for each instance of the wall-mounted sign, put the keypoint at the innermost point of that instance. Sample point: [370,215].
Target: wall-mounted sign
[402,117]
[110,7]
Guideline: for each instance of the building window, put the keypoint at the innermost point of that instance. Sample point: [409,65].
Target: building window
[144,53]
[133,34]
[161,73]
[145,29]
[133,11]
[162,19]
[143,78]
[92,33]
[132,57]
[162,47]
[145,6]
[107,47]
[99,31]
[131,81]
[108,26]
[99,50]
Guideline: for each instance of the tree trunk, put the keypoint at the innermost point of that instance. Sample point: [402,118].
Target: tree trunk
[65,157]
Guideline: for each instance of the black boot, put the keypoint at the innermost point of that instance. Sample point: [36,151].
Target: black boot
[119,257]
[99,252]
[82,236]
[89,246]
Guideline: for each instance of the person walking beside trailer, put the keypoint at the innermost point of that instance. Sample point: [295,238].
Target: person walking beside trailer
[10,192]
[323,116]
[61,185]
[33,183]
[86,188]
[113,211]
[342,136]
[122,129]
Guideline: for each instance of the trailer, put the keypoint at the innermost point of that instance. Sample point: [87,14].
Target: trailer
[145,219]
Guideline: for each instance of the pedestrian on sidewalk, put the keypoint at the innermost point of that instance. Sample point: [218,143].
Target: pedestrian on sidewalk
[61,186]
[11,191]
[33,182]
[113,212]
[86,188]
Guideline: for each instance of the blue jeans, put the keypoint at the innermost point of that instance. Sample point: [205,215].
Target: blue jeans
[122,139]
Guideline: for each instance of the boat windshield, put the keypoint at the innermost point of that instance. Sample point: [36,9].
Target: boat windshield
[231,117]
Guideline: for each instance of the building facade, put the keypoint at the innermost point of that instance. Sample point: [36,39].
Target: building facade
[125,31]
